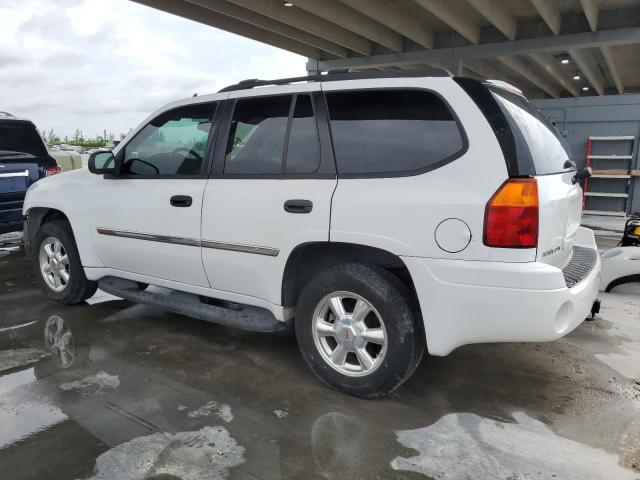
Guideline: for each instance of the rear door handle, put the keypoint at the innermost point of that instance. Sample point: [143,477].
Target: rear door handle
[181,201]
[298,206]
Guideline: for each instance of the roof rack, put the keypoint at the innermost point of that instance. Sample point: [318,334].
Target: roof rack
[5,114]
[337,75]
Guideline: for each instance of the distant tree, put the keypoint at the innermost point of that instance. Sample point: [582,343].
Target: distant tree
[51,137]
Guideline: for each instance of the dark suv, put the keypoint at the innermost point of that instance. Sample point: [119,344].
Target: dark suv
[23,160]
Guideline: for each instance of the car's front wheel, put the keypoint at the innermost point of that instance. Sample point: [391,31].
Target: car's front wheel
[358,330]
[57,265]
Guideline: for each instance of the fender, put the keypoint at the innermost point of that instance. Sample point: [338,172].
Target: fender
[70,194]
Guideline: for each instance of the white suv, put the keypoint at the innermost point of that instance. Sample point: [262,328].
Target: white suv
[380,213]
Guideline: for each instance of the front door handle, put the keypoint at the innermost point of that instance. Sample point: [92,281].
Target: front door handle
[181,201]
[298,206]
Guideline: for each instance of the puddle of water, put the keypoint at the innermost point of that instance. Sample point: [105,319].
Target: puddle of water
[467,446]
[23,414]
[220,410]
[16,379]
[20,357]
[93,384]
[206,454]
[623,311]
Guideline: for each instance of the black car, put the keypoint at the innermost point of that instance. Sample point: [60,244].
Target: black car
[23,160]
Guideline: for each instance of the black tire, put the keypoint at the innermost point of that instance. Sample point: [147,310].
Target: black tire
[397,309]
[78,288]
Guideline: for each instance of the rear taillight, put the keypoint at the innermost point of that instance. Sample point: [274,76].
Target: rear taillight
[511,215]
[54,170]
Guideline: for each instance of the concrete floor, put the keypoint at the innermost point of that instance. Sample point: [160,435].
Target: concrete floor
[123,391]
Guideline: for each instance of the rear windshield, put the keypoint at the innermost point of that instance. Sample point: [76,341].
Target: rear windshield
[535,137]
[21,137]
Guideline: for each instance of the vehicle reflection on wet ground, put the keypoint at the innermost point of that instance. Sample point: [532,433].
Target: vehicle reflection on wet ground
[124,391]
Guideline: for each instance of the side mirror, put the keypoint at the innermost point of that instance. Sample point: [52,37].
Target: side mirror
[102,162]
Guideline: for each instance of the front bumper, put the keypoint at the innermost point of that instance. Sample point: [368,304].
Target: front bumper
[465,302]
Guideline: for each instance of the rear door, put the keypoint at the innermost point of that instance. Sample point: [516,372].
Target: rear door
[551,161]
[271,189]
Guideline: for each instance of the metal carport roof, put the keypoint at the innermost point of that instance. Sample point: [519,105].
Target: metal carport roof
[538,45]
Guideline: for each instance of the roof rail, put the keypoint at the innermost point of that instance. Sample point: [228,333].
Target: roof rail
[337,75]
[5,114]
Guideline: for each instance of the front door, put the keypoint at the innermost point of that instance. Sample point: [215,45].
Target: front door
[271,190]
[147,217]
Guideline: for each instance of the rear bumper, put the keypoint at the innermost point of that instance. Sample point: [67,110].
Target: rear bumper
[465,302]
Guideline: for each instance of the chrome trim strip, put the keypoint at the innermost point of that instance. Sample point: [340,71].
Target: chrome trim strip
[192,242]
[24,173]
[238,247]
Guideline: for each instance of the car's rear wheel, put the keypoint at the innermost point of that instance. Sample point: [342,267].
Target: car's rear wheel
[57,264]
[358,330]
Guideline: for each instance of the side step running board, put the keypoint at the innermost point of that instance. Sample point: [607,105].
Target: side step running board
[249,318]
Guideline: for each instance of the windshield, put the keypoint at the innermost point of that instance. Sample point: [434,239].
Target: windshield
[20,138]
[548,150]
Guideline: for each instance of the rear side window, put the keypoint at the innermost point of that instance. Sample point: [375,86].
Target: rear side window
[21,137]
[256,139]
[392,132]
[303,154]
[540,140]
[273,136]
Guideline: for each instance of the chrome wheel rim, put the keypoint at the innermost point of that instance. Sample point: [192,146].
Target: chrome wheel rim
[349,334]
[54,264]
[59,340]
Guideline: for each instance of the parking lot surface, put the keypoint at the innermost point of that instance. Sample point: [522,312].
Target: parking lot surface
[121,391]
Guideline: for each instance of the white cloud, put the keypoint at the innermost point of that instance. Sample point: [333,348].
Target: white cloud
[106,64]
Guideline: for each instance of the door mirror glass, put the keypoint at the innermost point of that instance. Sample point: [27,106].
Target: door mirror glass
[102,162]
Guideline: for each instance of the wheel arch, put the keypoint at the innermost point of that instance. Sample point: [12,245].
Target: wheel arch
[39,215]
[308,259]
[36,217]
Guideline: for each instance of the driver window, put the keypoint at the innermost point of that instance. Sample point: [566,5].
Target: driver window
[173,143]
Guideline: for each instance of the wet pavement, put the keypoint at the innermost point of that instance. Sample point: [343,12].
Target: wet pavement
[121,391]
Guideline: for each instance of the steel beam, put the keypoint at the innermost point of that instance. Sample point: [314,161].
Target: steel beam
[550,65]
[208,17]
[231,10]
[394,18]
[448,13]
[308,22]
[498,13]
[519,67]
[622,36]
[550,13]
[609,57]
[591,12]
[346,17]
[591,74]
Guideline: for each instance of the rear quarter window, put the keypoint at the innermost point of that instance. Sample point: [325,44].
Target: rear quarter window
[535,136]
[392,132]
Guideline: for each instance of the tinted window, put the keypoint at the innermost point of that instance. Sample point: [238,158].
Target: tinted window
[303,154]
[385,131]
[257,134]
[535,136]
[21,137]
[174,143]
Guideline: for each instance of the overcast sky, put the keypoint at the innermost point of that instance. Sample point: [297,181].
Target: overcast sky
[96,64]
